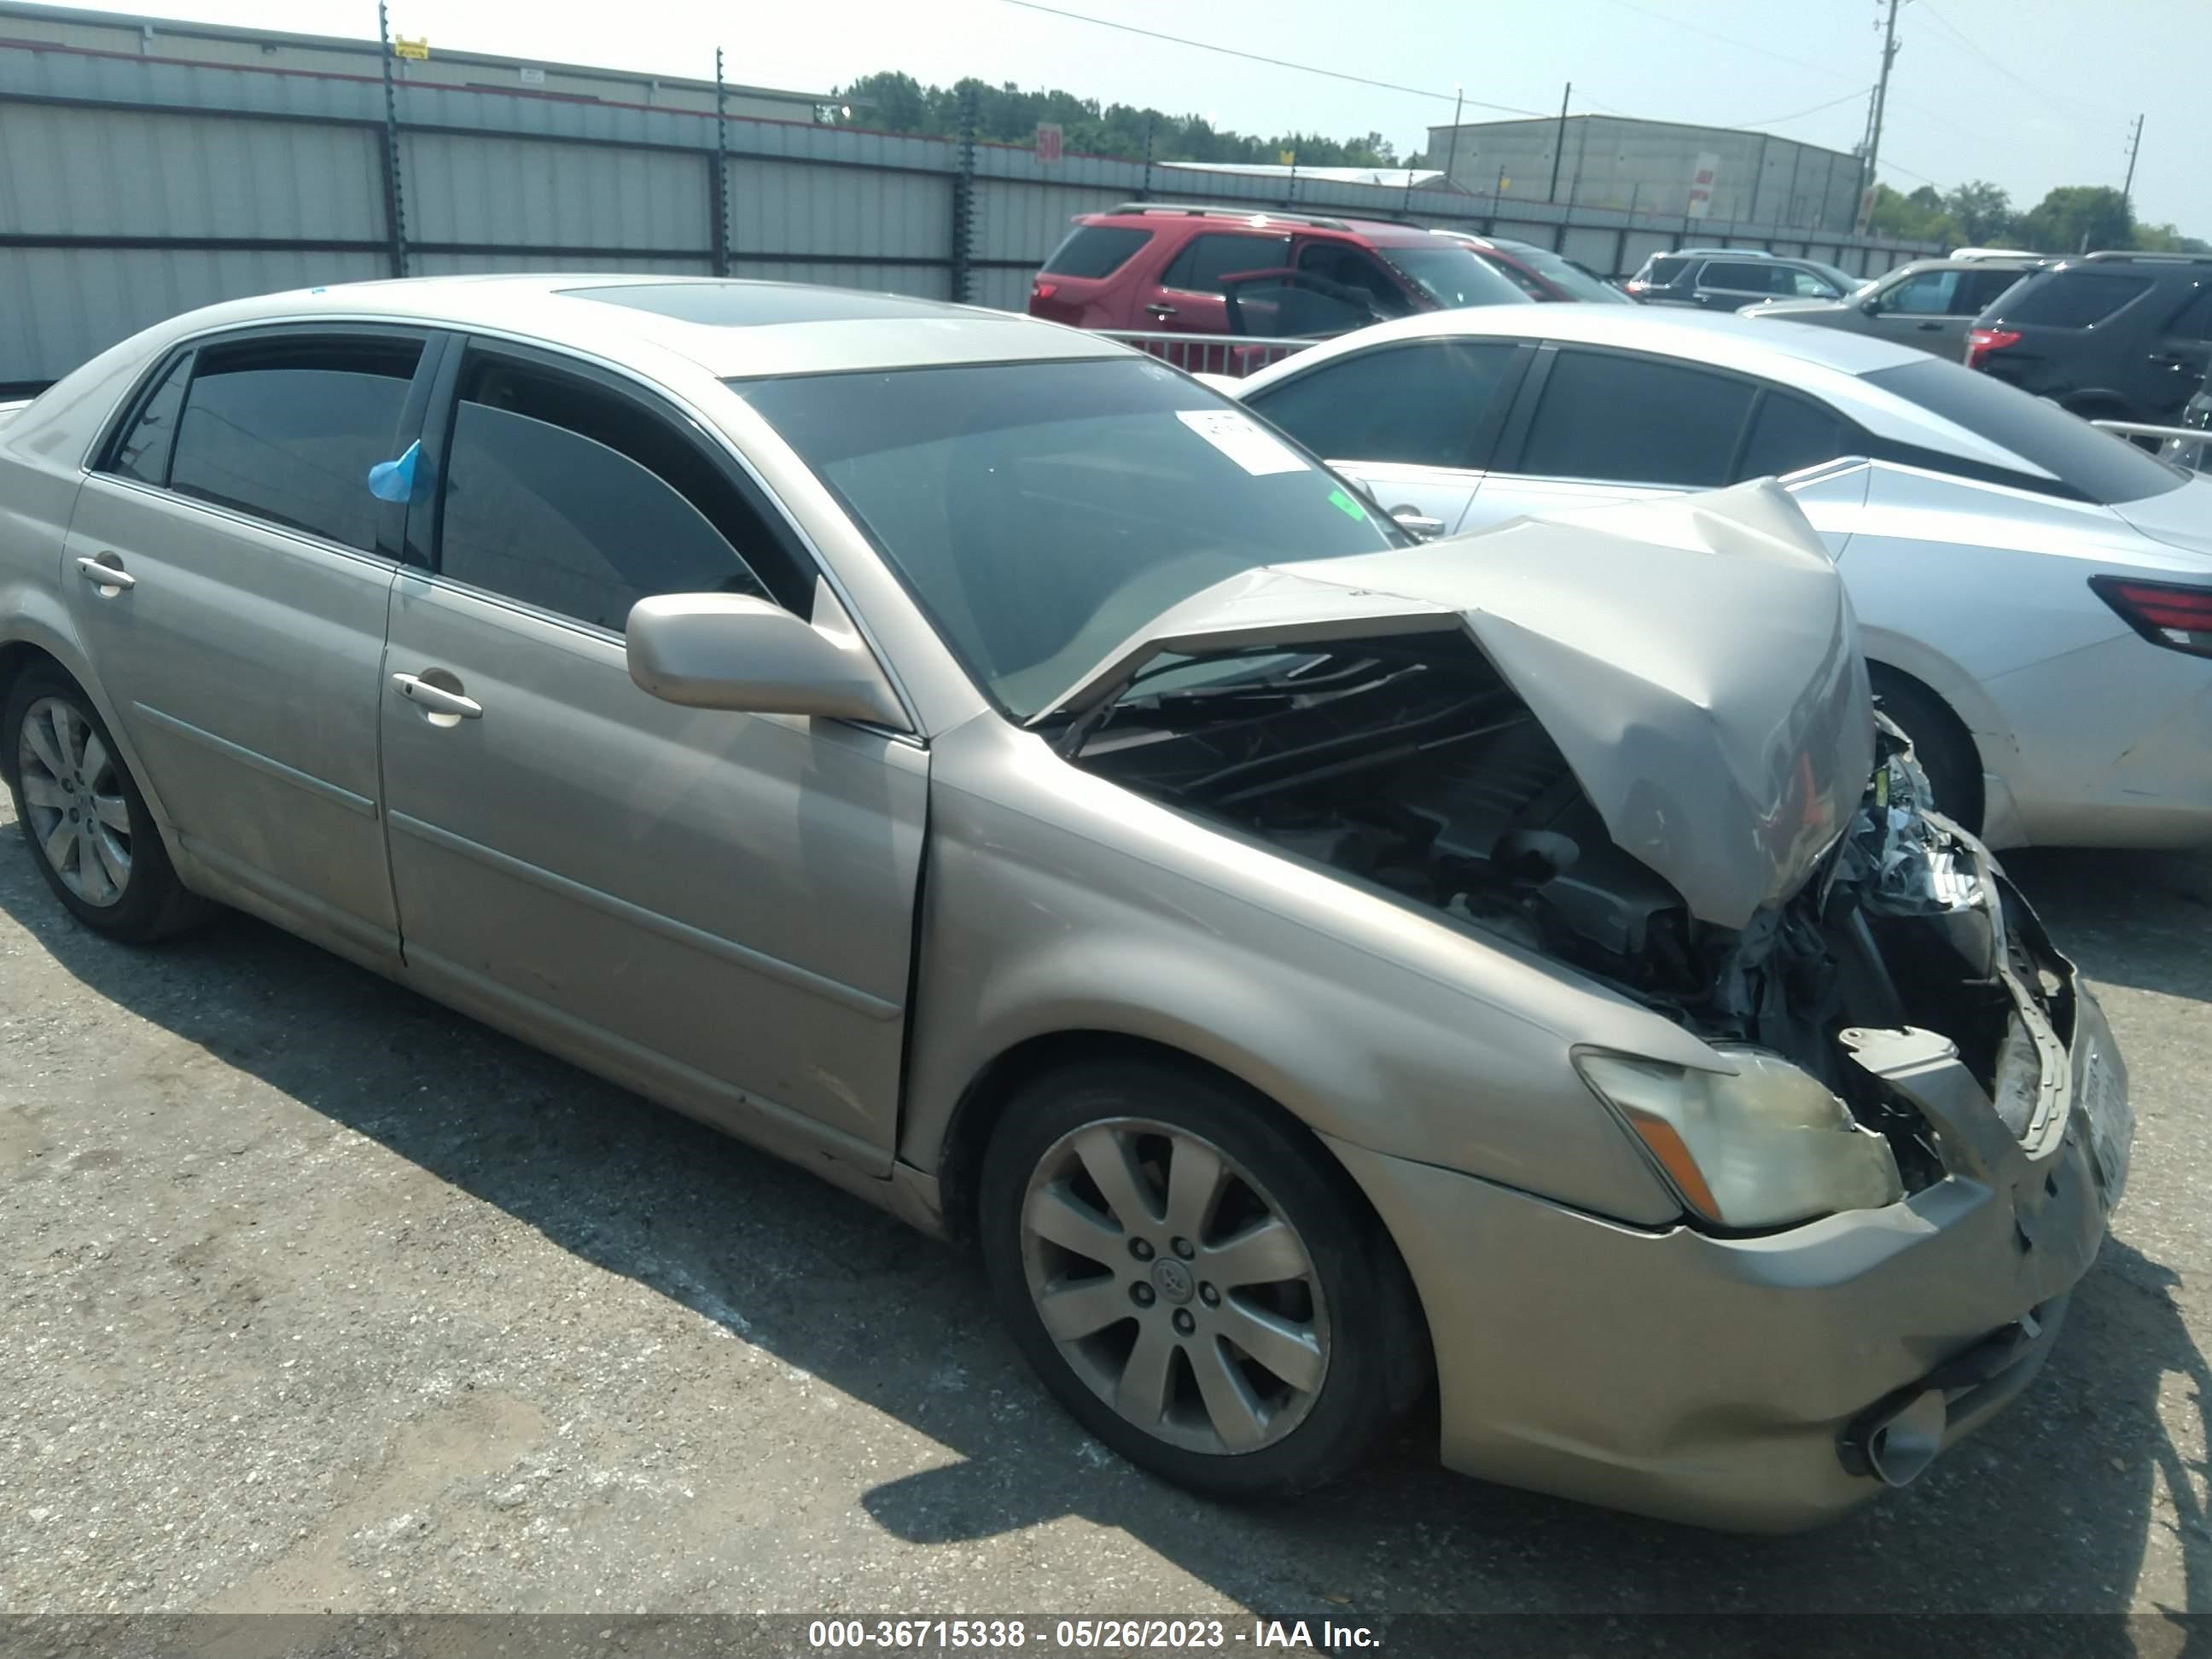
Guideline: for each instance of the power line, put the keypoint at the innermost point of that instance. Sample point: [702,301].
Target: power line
[1256,57]
[1982,54]
[1672,21]
[1851,97]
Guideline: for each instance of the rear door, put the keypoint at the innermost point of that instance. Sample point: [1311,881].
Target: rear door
[1598,426]
[715,906]
[229,569]
[1187,297]
[1415,423]
[1732,284]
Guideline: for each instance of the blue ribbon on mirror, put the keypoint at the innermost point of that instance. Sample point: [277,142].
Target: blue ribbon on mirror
[394,481]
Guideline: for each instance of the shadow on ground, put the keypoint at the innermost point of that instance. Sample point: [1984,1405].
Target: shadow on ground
[2050,1509]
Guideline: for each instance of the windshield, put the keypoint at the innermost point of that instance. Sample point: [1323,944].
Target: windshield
[1452,277]
[1041,513]
[1570,278]
[2095,464]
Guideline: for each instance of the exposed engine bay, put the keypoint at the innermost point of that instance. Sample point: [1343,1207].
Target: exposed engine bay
[1411,764]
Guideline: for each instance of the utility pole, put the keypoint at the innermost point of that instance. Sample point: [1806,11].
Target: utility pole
[722,171]
[1560,149]
[395,204]
[1451,153]
[1880,108]
[2134,143]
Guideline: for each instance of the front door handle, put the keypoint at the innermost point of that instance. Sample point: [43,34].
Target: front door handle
[1156,309]
[436,699]
[1929,328]
[1413,519]
[112,577]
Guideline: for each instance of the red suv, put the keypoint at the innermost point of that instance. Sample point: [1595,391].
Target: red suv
[1219,270]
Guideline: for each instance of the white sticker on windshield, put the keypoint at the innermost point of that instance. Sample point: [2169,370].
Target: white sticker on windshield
[1240,439]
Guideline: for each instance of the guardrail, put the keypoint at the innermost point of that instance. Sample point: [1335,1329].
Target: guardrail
[1233,355]
[2179,440]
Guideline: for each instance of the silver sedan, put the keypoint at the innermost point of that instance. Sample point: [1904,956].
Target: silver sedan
[990,769]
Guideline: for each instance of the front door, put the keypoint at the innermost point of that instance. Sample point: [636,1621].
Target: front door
[715,907]
[229,569]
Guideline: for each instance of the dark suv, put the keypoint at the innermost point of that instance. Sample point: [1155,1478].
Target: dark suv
[2118,336]
[1728,279]
[1180,269]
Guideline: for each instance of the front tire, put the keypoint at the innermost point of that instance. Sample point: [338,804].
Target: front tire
[1941,743]
[1195,1280]
[87,827]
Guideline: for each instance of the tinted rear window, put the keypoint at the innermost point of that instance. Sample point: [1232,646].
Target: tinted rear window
[2072,299]
[1637,419]
[2096,465]
[1095,251]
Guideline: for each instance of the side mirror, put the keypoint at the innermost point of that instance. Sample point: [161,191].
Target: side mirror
[1871,305]
[724,651]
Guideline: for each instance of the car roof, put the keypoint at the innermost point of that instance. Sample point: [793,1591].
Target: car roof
[1383,232]
[731,327]
[1823,361]
[1722,339]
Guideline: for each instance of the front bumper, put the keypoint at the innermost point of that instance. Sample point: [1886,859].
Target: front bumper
[1716,1381]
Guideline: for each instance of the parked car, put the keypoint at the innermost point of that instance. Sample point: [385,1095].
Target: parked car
[1970,255]
[1928,303]
[1544,275]
[1730,279]
[2121,337]
[2035,595]
[981,764]
[1159,268]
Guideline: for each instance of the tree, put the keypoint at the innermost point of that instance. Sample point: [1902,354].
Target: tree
[1919,217]
[2077,218]
[1982,212]
[893,102]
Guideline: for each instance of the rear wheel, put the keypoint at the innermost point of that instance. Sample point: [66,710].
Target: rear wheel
[1195,1280]
[88,828]
[1941,742]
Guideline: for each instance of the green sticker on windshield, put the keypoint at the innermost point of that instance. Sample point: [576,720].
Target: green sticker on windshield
[1344,504]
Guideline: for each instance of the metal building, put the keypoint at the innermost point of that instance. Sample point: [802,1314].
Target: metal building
[168,40]
[1660,169]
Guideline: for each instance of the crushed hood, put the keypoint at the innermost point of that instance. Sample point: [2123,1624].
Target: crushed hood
[1695,658]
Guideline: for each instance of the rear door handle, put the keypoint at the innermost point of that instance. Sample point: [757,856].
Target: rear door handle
[105,574]
[1929,328]
[436,699]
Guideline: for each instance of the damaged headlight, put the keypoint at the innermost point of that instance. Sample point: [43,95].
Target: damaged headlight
[1765,1148]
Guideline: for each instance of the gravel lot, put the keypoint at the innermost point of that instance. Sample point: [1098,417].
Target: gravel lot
[322,1297]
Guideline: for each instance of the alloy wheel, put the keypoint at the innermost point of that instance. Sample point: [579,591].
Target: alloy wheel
[73,796]
[1173,1285]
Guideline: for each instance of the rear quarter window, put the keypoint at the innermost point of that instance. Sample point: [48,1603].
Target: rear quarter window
[2092,464]
[1096,251]
[2072,299]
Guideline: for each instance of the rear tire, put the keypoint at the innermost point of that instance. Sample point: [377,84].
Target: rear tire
[1222,1309]
[87,827]
[1941,742]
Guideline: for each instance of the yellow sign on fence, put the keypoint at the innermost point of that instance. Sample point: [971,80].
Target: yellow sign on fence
[418,49]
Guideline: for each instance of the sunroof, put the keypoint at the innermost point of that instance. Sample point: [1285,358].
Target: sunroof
[751,305]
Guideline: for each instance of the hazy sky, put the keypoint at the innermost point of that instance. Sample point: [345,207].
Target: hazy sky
[2027,92]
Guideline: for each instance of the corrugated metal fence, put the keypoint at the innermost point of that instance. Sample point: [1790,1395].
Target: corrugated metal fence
[132,187]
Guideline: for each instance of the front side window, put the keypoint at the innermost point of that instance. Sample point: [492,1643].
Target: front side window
[286,429]
[1207,259]
[142,449]
[1804,285]
[1420,405]
[1925,294]
[1041,513]
[2194,320]
[1635,420]
[1357,276]
[567,495]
